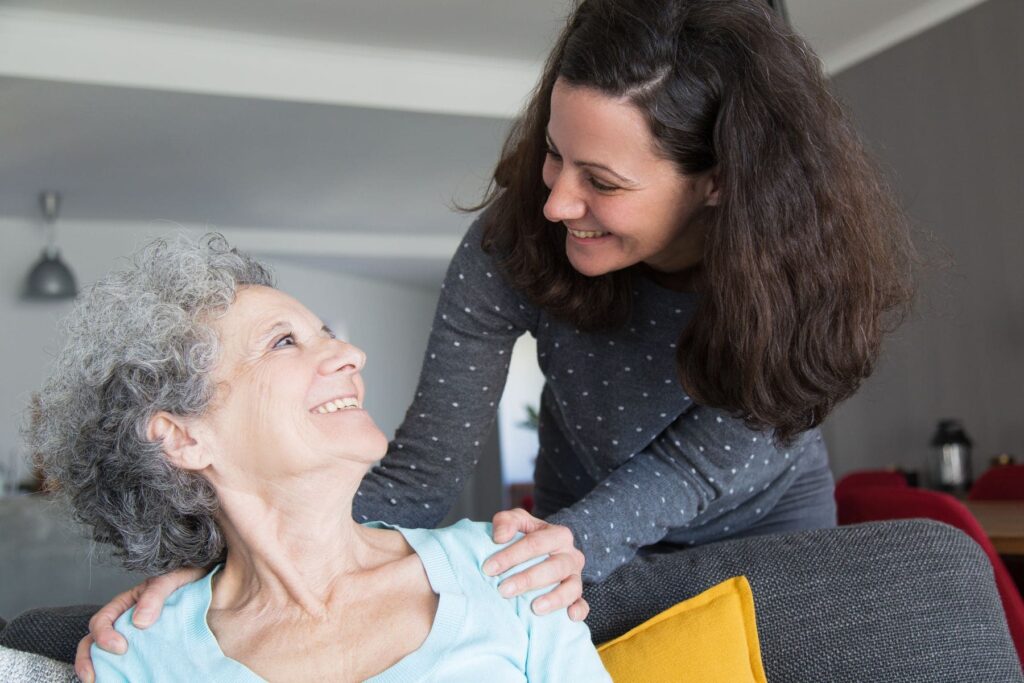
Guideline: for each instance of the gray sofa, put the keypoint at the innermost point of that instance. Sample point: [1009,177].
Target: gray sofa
[892,602]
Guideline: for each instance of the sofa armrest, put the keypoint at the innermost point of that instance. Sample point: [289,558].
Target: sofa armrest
[893,601]
[52,632]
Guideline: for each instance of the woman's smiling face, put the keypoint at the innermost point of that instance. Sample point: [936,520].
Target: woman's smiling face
[621,202]
[289,395]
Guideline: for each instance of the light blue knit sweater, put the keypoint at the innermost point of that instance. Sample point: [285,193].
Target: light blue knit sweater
[477,635]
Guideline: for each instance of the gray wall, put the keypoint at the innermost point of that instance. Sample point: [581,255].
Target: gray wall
[943,111]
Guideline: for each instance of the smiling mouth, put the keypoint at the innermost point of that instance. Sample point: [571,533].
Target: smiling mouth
[586,234]
[337,404]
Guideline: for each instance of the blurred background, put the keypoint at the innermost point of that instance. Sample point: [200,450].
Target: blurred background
[332,138]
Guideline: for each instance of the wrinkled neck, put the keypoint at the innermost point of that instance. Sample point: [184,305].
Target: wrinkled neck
[294,543]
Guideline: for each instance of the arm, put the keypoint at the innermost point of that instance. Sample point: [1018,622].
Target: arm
[150,596]
[558,649]
[107,667]
[703,460]
[478,319]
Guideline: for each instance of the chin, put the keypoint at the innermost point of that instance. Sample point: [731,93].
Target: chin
[382,448]
[590,267]
[594,262]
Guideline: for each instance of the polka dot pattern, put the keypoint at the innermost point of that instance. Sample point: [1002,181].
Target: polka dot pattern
[637,461]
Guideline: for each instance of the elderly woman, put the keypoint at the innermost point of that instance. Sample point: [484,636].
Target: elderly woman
[197,416]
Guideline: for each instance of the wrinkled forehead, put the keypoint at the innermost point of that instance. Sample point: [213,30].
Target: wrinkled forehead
[256,315]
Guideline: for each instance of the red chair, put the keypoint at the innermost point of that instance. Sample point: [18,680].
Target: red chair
[865,478]
[1003,482]
[880,503]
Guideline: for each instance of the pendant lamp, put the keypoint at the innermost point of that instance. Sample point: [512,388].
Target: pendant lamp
[50,278]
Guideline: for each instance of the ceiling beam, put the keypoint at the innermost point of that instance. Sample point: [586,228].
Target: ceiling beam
[305,243]
[84,49]
[898,27]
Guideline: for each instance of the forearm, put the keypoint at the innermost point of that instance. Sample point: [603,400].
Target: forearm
[637,505]
[704,464]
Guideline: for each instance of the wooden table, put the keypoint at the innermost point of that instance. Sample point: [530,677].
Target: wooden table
[1003,522]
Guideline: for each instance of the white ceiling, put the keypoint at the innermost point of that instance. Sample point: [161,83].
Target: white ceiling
[519,29]
[356,117]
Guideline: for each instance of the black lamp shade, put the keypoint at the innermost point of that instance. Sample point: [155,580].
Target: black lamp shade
[50,279]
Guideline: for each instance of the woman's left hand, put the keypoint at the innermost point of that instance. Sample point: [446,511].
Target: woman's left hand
[564,565]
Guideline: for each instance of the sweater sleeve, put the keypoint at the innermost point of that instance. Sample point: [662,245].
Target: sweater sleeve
[478,319]
[559,649]
[703,460]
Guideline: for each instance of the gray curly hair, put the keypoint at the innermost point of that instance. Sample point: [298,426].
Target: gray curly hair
[139,342]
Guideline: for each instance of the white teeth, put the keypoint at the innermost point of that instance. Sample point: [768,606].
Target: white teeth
[587,233]
[337,404]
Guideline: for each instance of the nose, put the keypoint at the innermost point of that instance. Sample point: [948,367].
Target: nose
[565,202]
[340,356]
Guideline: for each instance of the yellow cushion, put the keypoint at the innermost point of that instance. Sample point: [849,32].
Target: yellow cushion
[710,637]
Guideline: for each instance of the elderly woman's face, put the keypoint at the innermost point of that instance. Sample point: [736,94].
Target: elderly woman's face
[289,395]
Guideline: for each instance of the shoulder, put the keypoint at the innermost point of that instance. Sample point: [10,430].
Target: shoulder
[171,635]
[474,265]
[470,252]
[469,544]
[476,293]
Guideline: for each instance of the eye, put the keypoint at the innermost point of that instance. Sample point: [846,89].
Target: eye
[553,154]
[601,187]
[286,340]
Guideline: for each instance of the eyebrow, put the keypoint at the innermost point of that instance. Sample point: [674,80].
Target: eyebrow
[589,164]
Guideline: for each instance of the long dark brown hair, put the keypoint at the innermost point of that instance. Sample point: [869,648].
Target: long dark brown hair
[807,260]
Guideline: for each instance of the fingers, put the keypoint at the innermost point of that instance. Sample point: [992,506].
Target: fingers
[83,661]
[579,610]
[101,625]
[555,569]
[155,592]
[564,595]
[552,539]
[509,522]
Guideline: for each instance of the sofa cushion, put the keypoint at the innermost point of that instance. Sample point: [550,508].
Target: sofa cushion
[51,632]
[24,666]
[711,637]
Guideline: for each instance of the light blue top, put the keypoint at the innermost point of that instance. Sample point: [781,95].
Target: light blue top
[476,635]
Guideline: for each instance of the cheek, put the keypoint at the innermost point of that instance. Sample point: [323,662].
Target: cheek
[264,405]
[263,388]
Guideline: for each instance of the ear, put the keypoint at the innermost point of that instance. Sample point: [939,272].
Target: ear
[710,188]
[178,439]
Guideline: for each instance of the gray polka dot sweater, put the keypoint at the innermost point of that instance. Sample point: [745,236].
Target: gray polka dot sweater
[626,457]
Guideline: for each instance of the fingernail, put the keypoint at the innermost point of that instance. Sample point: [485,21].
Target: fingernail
[143,617]
[87,678]
[490,567]
[113,645]
[507,589]
[540,607]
